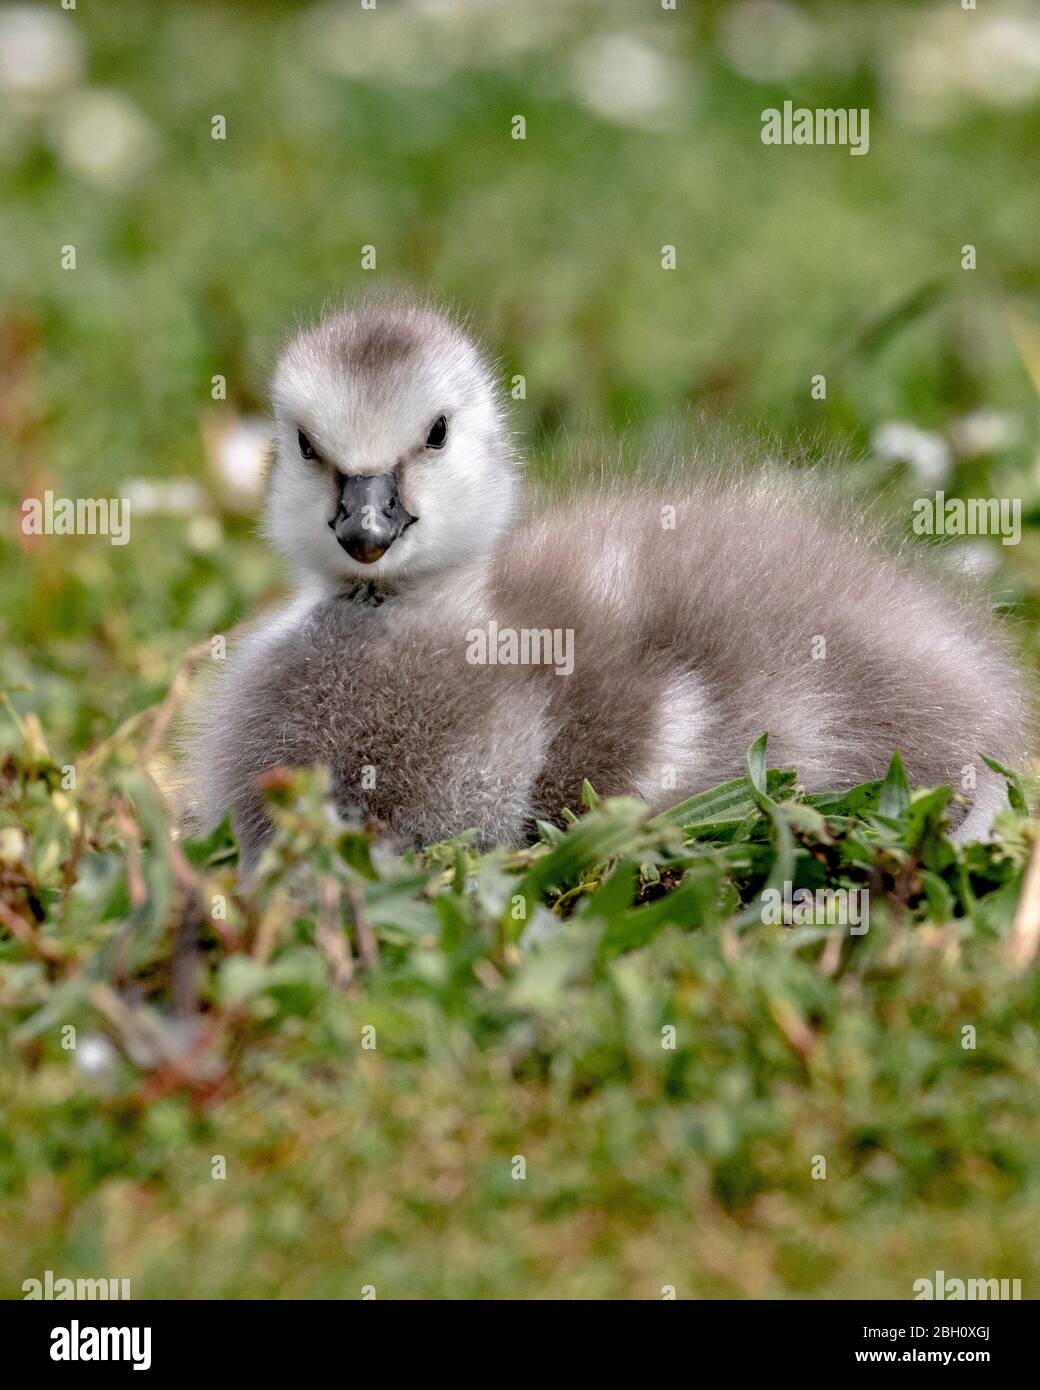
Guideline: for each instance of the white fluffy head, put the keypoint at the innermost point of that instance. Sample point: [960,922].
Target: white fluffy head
[365,388]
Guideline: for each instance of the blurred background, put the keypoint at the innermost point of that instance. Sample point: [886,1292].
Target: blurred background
[392,128]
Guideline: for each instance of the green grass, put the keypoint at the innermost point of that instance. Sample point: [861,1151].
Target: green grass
[518,999]
[371,1044]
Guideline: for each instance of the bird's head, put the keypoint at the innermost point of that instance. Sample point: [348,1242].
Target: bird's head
[391,457]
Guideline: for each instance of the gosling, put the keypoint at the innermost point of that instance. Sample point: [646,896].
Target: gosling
[458,662]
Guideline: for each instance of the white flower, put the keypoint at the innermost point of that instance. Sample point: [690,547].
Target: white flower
[205,534]
[165,497]
[424,43]
[627,81]
[13,844]
[983,432]
[978,559]
[947,65]
[96,1057]
[927,453]
[238,448]
[101,136]
[41,54]
[767,40]
[1003,62]
[395,47]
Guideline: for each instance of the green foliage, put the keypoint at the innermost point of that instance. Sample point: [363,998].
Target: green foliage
[369,1039]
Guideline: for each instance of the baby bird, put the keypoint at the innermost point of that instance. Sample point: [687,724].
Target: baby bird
[457,664]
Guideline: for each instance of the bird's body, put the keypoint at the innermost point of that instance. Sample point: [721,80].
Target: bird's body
[641,636]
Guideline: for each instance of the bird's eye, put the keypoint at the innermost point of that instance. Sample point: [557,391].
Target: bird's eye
[438,433]
[306,447]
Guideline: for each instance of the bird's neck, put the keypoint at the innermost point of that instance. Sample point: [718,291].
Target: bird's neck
[467,579]
[367,593]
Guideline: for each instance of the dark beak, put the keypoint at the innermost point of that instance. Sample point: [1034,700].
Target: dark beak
[370,515]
